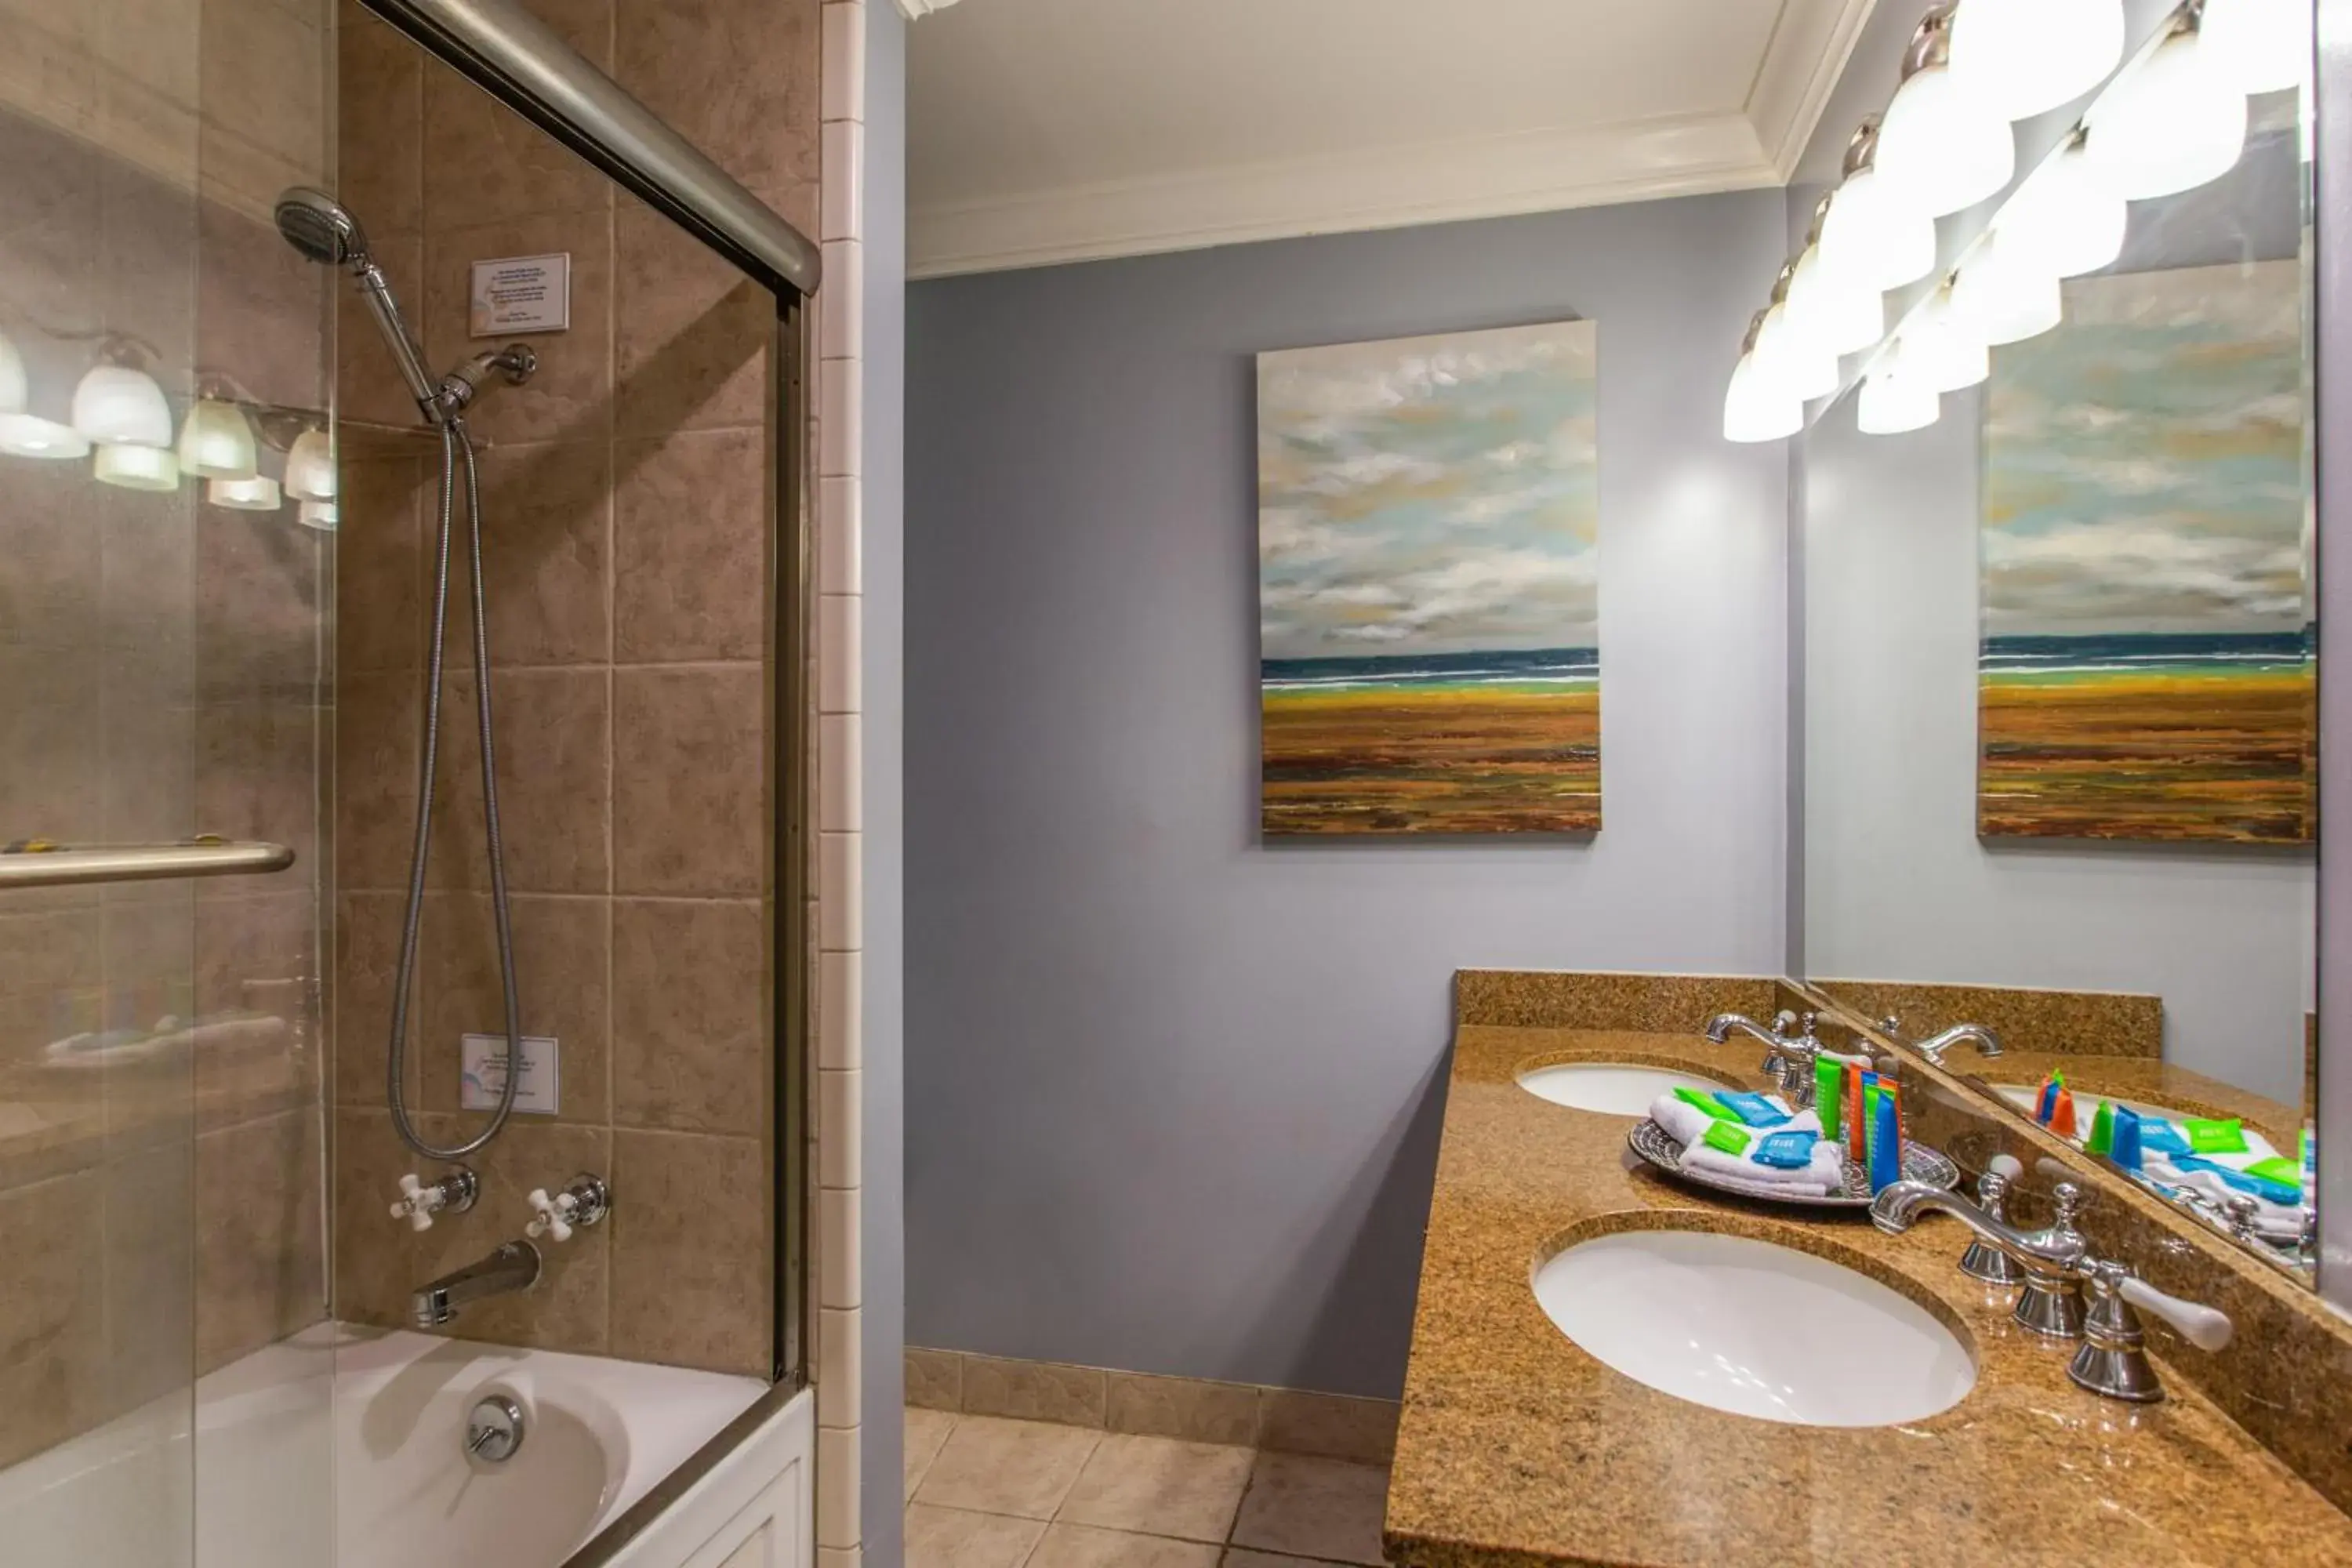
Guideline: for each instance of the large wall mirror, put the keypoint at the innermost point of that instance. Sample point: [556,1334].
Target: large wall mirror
[2059,696]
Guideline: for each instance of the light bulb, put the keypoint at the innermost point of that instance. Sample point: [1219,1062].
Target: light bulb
[15,389]
[2065,219]
[1941,144]
[2177,122]
[1756,410]
[1876,238]
[1943,348]
[322,515]
[121,404]
[258,493]
[216,441]
[30,435]
[1893,400]
[2266,43]
[136,467]
[311,467]
[2005,296]
[2023,57]
[1840,314]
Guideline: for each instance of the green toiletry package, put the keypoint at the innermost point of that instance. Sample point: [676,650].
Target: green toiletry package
[2214,1137]
[1705,1102]
[1829,1097]
[1728,1136]
[2103,1129]
[2279,1169]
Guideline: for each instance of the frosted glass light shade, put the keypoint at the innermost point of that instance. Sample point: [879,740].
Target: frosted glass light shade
[30,435]
[258,493]
[1944,148]
[1874,237]
[311,467]
[1943,348]
[216,441]
[1893,400]
[2066,221]
[136,467]
[2021,58]
[322,515]
[2177,122]
[2006,296]
[1793,360]
[1839,313]
[2266,43]
[15,389]
[118,405]
[1755,410]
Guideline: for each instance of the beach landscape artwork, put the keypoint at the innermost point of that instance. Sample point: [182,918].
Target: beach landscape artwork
[1428,577]
[2146,669]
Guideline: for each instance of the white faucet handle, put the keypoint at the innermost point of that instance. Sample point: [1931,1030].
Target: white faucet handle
[2207,1328]
[416,1203]
[554,1220]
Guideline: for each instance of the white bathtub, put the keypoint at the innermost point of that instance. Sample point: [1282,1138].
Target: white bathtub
[344,1448]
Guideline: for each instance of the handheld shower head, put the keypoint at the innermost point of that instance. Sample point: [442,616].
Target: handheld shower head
[314,224]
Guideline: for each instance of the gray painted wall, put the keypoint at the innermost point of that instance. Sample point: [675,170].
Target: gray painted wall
[1172,1094]
[882,1216]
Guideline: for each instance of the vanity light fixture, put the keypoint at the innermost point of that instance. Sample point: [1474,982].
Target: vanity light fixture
[2267,43]
[2025,58]
[322,515]
[311,467]
[1873,235]
[1795,360]
[1943,347]
[2176,123]
[136,467]
[1894,398]
[118,403]
[15,387]
[216,441]
[30,435]
[2066,219]
[258,493]
[1754,409]
[1841,316]
[1941,143]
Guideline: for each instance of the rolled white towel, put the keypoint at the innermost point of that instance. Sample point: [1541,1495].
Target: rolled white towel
[2272,1220]
[1825,1170]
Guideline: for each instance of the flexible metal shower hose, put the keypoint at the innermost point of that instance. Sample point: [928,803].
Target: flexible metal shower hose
[456,443]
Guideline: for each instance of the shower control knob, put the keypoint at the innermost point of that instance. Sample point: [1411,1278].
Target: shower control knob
[584,1201]
[420,1201]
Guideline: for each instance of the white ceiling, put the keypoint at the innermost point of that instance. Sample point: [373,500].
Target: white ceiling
[1044,131]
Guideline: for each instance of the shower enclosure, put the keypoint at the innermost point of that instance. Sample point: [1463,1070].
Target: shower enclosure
[217,527]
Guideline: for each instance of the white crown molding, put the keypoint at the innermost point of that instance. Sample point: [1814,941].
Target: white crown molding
[1386,188]
[1811,45]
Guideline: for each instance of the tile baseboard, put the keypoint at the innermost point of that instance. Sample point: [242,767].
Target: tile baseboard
[1149,1405]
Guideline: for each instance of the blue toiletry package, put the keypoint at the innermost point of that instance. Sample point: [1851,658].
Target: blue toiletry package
[1885,1145]
[1786,1151]
[2124,1148]
[2240,1181]
[2158,1136]
[1752,1109]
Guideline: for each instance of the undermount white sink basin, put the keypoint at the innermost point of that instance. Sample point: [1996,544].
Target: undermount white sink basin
[1617,1089]
[1754,1329]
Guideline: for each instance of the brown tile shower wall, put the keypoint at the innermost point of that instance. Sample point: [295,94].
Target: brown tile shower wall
[626,501]
[161,674]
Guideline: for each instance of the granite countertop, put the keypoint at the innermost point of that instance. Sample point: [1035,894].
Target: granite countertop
[1518,1448]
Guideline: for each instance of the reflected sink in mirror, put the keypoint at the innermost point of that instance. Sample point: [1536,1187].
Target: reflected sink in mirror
[1754,1329]
[2023,1096]
[1613,1089]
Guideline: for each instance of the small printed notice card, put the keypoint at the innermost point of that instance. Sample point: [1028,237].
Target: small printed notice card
[521,294]
[485,1074]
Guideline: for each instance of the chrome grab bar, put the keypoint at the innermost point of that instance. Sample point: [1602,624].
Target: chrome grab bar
[41,864]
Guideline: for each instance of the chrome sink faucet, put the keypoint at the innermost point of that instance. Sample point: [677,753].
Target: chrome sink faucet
[510,1267]
[1788,1059]
[2112,1359]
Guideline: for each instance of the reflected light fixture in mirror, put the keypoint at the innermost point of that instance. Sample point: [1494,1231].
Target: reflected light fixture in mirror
[136,467]
[2006,296]
[216,441]
[1945,145]
[119,403]
[1872,235]
[1896,398]
[2025,58]
[30,435]
[2177,122]
[311,467]
[2266,43]
[1944,348]
[322,515]
[258,493]
[2066,220]
[15,389]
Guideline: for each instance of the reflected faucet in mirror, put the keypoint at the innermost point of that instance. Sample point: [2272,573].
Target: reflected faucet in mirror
[1988,1044]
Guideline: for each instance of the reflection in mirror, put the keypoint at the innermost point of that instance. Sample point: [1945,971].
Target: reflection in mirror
[2060,705]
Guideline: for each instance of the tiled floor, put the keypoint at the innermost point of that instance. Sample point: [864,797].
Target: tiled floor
[989,1493]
